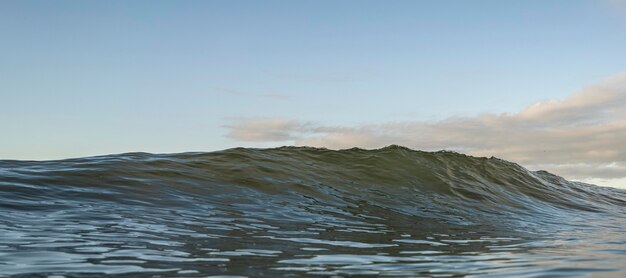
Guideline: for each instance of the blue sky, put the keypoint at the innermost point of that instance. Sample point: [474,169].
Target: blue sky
[81,78]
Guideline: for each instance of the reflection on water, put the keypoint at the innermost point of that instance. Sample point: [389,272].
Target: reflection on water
[182,243]
[140,216]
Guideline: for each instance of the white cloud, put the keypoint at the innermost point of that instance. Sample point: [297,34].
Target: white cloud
[582,137]
[265,130]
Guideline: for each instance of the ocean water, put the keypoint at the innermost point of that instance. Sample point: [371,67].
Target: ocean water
[304,212]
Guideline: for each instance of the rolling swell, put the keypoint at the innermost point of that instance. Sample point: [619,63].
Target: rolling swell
[304,211]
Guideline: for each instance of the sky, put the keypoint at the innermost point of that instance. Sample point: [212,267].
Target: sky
[541,83]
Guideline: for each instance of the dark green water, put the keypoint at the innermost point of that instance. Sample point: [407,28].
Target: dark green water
[304,212]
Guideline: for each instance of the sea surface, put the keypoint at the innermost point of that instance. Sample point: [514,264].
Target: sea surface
[304,212]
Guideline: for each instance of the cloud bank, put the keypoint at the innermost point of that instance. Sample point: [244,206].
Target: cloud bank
[582,137]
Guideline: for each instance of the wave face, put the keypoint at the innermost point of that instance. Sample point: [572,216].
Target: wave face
[296,211]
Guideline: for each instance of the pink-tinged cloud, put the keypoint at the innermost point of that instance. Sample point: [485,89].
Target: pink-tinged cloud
[265,130]
[581,137]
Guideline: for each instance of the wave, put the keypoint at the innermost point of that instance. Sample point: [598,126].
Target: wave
[391,177]
[269,195]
